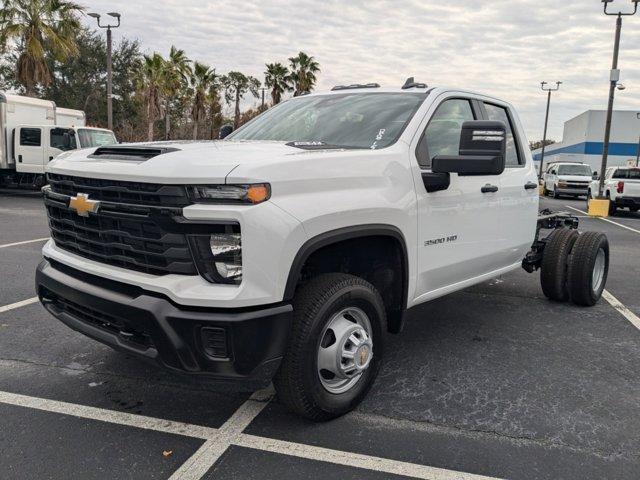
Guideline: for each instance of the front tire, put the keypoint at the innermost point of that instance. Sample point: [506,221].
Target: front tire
[335,348]
[588,268]
[555,192]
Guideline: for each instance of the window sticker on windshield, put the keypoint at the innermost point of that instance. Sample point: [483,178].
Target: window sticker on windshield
[379,136]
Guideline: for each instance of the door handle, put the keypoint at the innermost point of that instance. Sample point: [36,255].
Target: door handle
[530,185]
[488,188]
[20,158]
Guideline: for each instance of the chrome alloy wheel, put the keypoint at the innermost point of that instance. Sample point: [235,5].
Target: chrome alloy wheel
[345,350]
[597,276]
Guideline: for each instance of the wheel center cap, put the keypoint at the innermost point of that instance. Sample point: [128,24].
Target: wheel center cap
[362,356]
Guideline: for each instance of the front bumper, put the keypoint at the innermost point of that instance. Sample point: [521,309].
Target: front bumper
[572,190]
[242,347]
[627,202]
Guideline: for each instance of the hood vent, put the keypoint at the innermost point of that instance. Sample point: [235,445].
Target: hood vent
[130,153]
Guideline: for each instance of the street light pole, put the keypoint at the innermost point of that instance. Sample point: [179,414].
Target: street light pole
[546,119]
[613,81]
[115,15]
[638,151]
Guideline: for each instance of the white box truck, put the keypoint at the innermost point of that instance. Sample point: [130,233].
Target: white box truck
[34,132]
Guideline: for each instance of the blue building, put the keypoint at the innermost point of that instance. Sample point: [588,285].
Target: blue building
[583,140]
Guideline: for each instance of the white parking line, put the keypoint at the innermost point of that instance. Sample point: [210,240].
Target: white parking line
[203,459]
[218,440]
[354,459]
[605,219]
[618,305]
[6,245]
[19,304]
[109,416]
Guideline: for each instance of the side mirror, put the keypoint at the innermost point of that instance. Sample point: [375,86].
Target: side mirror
[225,131]
[482,150]
[66,141]
[595,176]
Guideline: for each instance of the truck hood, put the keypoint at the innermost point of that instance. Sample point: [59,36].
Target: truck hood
[183,163]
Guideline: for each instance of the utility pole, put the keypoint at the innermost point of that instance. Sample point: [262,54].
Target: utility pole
[613,82]
[546,119]
[115,15]
[262,107]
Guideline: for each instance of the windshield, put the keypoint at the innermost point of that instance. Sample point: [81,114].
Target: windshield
[95,138]
[583,170]
[349,120]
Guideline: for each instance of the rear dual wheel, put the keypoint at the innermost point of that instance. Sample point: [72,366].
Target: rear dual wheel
[588,268]
[575,266]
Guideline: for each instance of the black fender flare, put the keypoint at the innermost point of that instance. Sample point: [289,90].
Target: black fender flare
[341,234]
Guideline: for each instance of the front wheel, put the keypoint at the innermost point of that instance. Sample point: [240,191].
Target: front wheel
[555,192]
[335,349]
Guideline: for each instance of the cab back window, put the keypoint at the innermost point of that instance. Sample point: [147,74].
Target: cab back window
[629,173]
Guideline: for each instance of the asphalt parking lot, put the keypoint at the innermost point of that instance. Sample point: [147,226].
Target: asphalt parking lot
[494,381]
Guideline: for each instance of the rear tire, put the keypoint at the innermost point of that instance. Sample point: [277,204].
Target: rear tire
[588,268]
[612,206]
[553,271]
[302,385]
[588,198]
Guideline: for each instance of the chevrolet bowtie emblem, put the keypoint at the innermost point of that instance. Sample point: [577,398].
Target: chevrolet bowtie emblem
[82,205]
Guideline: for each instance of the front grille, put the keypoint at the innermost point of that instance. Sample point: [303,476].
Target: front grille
[97,319]
[135,237]
[577,185]
[136,193]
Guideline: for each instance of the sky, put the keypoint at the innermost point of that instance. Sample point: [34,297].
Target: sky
[504,48]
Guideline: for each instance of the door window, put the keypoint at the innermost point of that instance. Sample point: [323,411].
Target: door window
[62,139]
[442,135]
[30,137]
[497,113]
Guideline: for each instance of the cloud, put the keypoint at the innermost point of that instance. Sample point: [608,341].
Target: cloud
[504,47]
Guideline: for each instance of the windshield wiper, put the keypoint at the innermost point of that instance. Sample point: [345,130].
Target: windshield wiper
[319,146]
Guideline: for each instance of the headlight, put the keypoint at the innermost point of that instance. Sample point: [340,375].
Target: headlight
[219,255]
[251,194]
[562,184]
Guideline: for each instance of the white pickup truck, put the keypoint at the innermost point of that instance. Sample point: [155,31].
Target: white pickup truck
[621,187]
[288,250]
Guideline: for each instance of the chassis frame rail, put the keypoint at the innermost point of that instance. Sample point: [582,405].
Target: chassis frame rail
[547,220]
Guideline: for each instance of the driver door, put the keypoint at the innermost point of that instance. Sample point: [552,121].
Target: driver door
[29,149]
[459,228]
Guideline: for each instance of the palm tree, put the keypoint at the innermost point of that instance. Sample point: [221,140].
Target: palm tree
[39,28]
[276,77]
[303,73]
[177,70]
[202,78]
[151,82]
[236,86]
